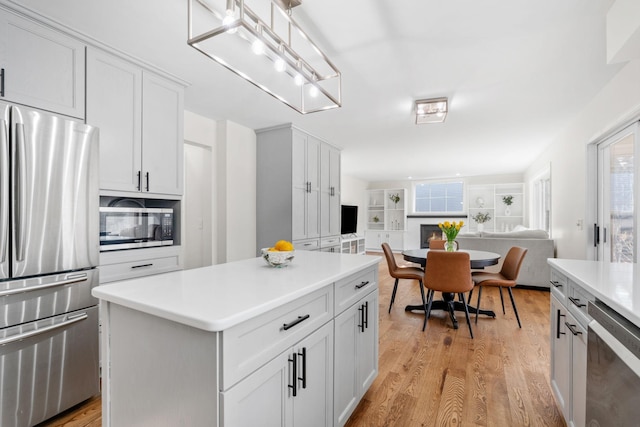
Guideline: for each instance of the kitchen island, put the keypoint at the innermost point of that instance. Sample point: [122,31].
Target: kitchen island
[241,343]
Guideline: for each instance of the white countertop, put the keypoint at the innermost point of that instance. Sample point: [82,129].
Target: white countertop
[615,284]
[218,297]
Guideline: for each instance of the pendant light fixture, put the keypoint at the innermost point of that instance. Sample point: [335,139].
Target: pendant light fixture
[432,110]
[265,46]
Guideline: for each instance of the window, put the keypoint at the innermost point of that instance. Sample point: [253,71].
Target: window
[438,197]
[541,202]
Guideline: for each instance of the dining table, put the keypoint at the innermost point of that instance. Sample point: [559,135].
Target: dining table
[479,260]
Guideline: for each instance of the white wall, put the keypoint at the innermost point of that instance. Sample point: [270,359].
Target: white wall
[617,103]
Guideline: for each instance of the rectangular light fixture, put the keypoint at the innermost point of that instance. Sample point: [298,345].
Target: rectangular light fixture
[266,47]
[432,110]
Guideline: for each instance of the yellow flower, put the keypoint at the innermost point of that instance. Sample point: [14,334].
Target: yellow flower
[447,224]
[461,223]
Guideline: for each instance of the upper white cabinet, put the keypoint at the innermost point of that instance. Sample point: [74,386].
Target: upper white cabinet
[41,67]
[298,189]
[504,203]
[140,116]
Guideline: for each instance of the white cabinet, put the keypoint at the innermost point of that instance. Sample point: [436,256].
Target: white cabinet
[569,322]
[356,341]
[140,117]
[504,203]
[41,67]
[353,245]
[329,191]
[386,218]
[298,190]
[121,265]
[294,389]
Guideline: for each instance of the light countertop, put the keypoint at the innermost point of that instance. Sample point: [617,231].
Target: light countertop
[220,296]
[615,284]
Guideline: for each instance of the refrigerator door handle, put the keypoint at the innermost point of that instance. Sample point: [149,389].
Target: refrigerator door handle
[4,189]
[20,200]
[69,280]
[70,320]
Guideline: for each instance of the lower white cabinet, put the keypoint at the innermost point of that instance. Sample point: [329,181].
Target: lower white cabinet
[356,355]
[121,265]
[375,238]
[294,389]
[569,322]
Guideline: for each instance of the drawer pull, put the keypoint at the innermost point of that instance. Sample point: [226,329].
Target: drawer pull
[572,328]
[556,283]
[290,325]
[558,320]
[362,285]
[576,302]
[142,265]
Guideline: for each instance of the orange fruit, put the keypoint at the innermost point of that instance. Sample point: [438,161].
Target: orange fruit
[283,245]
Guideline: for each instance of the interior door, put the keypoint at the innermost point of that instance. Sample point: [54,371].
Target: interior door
[616,228]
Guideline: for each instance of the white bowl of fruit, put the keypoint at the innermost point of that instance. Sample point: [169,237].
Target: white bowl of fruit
[280,254]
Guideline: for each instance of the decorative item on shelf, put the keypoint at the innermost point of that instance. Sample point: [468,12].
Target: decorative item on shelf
[480,202]
[480,218]
[507,200]
[395,198]
[376,219]
[451,230]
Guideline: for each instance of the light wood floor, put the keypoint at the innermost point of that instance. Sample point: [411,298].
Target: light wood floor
[441,377]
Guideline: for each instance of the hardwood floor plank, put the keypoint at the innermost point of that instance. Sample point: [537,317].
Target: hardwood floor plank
[441,376]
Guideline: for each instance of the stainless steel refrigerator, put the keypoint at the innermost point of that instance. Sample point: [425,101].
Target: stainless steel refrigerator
[49,249]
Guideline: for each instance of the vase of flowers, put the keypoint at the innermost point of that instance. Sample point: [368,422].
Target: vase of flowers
[450,230]
[480,218]
[395,198]
[507,200]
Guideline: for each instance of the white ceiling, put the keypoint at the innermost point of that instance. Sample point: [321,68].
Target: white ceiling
[515,71]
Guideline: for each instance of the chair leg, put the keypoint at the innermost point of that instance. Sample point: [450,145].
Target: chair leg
[424,304]
[478,303]
[502,299]
[513,303]
[393,295]
[469,298]
[466,313]
[428,312]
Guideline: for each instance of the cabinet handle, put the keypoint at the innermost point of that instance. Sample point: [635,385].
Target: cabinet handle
[290,325]
[361,325]
[576,302]
[362,285]
[2,82]
[555,283]
[558,333]
[142,265]
[303,378]
[294,374]
[139,180]
[572,328]
[366,315]
[147,176]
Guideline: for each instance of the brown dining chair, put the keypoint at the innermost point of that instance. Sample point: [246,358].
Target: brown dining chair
[402,272]
[448,272]
[506,278]
[437,244]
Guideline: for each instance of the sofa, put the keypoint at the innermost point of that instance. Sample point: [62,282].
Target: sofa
[534,271]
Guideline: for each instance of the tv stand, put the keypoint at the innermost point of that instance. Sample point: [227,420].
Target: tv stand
[352,244]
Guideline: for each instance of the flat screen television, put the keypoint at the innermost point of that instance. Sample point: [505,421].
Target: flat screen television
[349,219]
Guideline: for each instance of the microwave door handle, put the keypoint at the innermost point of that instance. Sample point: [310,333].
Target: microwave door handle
[4,189]
[19,198]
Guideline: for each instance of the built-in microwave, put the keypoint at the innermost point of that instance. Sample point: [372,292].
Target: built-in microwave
[133,227]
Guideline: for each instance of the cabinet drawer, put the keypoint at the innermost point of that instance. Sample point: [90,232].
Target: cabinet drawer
[330,241]
[307,245]
[251,344]
[577,301]
[139,268]
[559,285]
[352,288]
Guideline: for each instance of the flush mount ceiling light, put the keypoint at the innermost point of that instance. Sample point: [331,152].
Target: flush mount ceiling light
[431,110]
[266,47]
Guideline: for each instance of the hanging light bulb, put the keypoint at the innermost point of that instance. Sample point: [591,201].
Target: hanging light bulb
[258,45]
[298,79]
[229,17]
[313,90]
[279,63]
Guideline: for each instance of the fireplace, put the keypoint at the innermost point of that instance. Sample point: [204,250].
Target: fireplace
[428,232]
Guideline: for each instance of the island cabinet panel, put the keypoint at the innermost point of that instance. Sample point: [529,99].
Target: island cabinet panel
[248,345]
[160,373]
[293,389]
